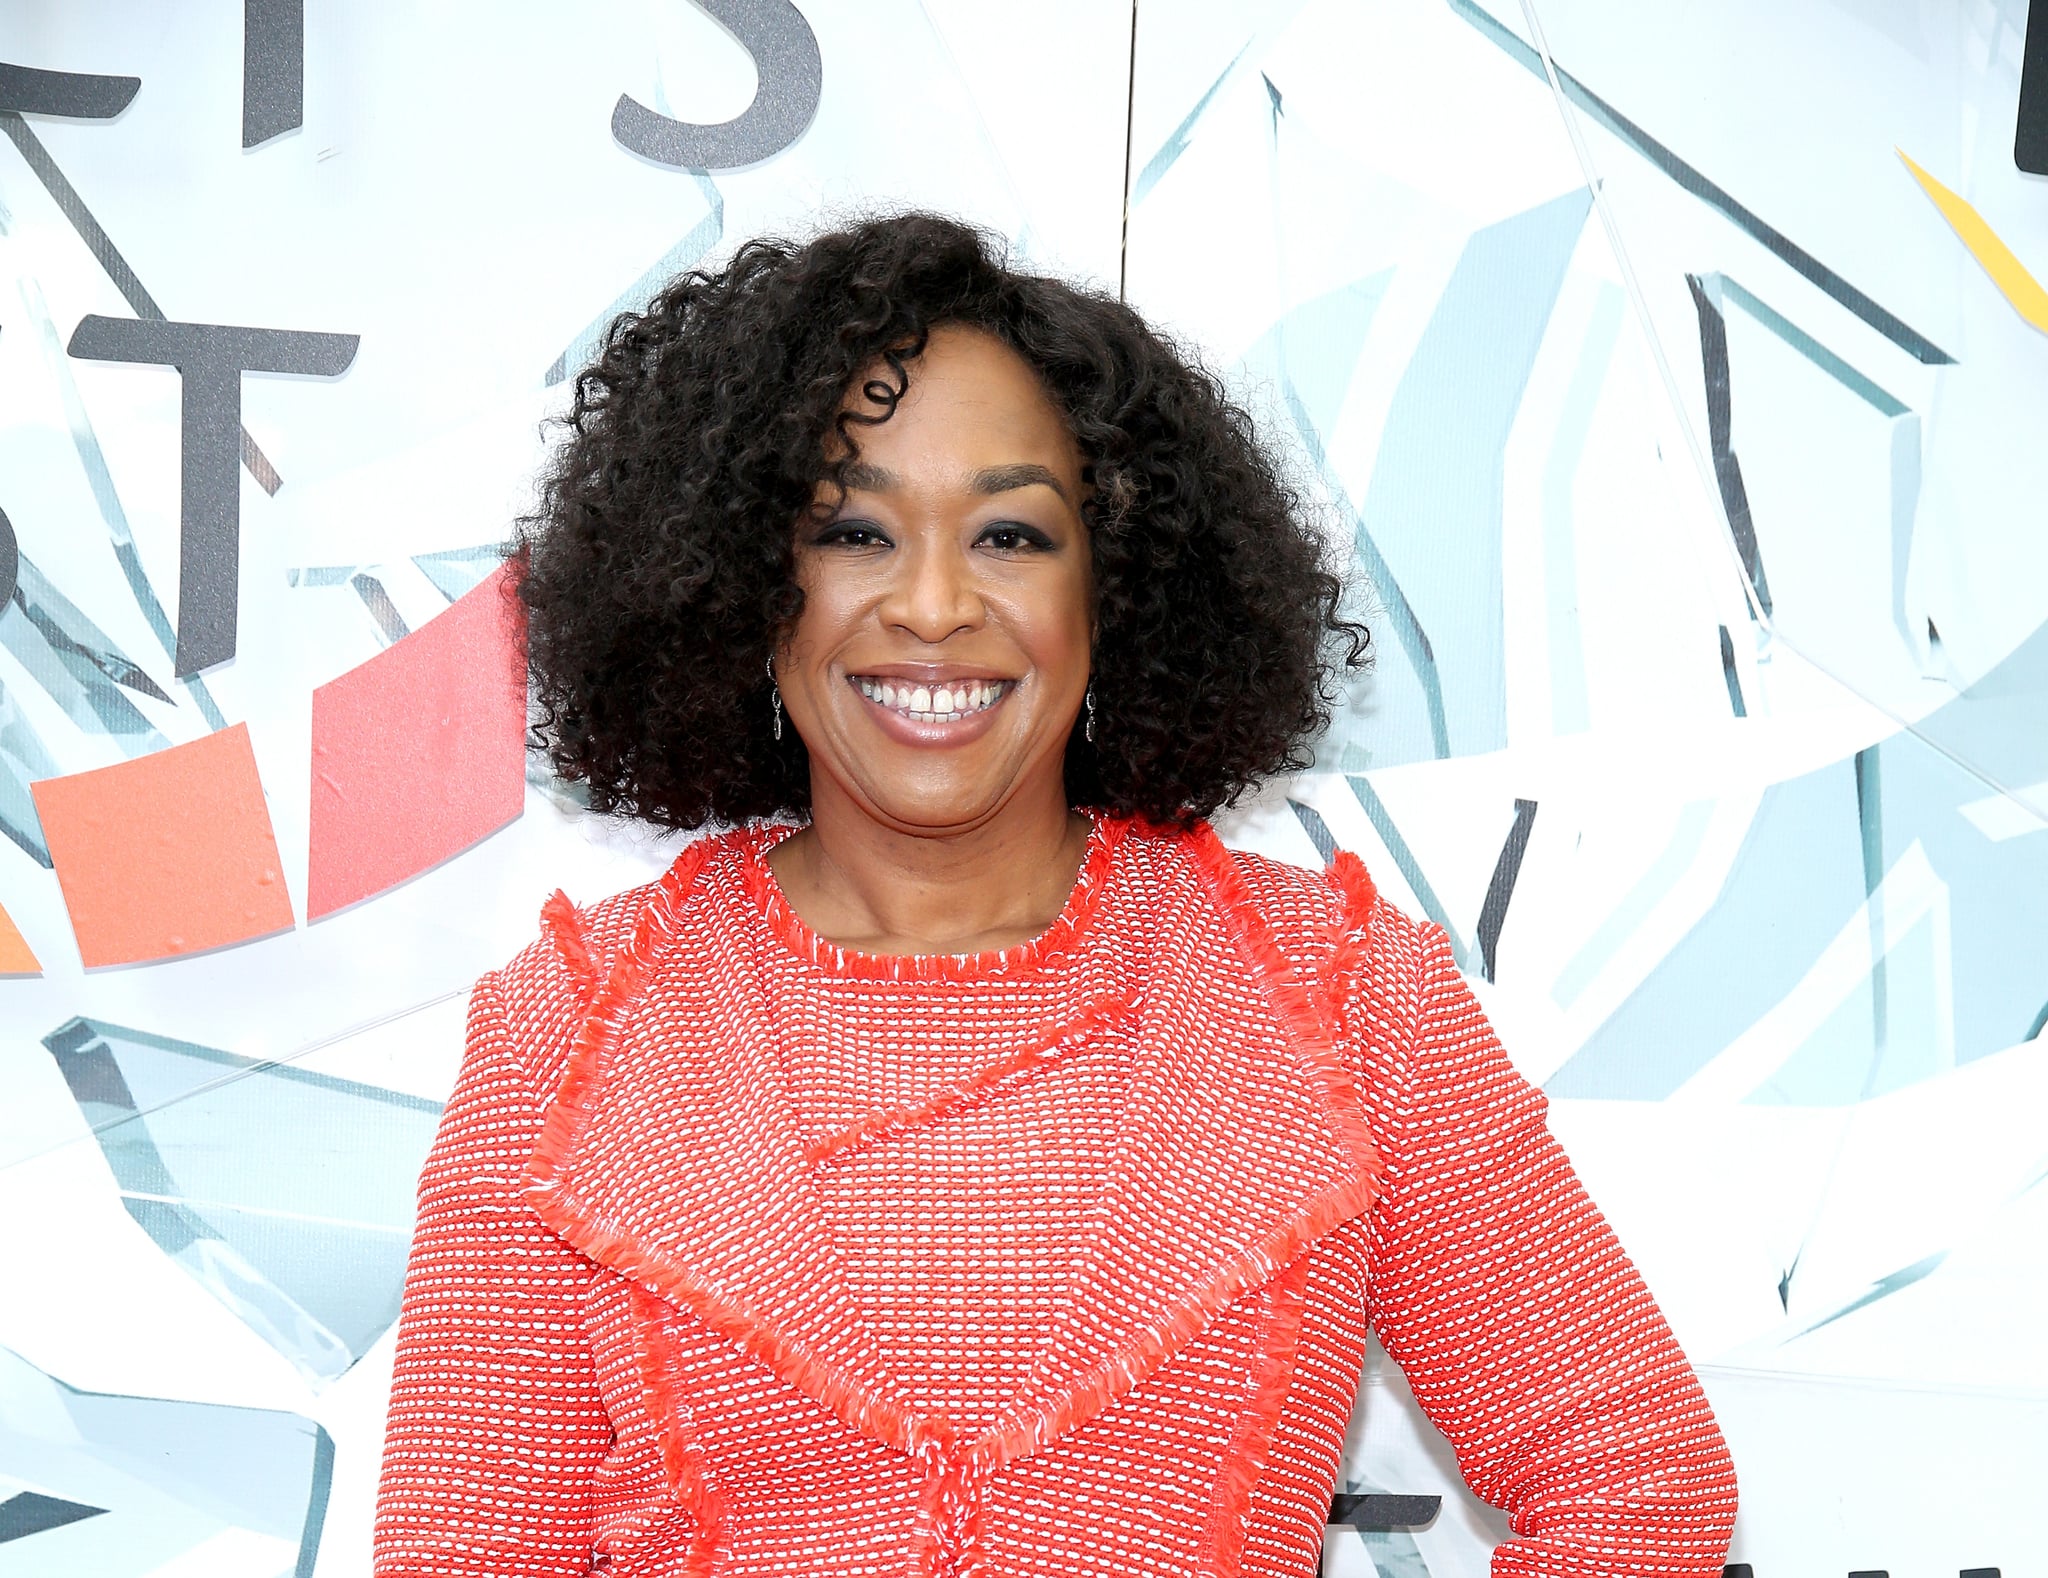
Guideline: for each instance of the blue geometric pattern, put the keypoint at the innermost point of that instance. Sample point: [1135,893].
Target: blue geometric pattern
[287,1195]
[119,1487]
[1817,851]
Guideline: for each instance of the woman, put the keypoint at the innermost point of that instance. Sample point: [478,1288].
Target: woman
[965,1165]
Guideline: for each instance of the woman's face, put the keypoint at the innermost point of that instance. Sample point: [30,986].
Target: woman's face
[942,653]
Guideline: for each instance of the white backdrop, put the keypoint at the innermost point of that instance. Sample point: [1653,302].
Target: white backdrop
[1690,453]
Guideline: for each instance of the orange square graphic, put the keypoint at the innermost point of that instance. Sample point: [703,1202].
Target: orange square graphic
[418,753]
[171,853]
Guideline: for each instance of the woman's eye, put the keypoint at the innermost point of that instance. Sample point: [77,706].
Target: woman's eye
[1015,537]
[852,534]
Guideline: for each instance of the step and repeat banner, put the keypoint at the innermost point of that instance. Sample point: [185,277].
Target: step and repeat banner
[1673,378]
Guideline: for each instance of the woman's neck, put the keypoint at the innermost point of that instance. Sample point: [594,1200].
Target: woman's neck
[860,883]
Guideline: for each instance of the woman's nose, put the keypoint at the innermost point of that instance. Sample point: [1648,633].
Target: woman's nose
[933,593]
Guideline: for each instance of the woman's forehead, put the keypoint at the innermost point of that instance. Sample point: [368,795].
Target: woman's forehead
[974,411]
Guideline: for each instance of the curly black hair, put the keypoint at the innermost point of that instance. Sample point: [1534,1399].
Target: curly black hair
[657,569]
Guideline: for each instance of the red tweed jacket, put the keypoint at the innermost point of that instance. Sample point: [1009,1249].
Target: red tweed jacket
[646,1329]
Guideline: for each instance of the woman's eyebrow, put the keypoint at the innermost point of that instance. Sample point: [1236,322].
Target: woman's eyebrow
[863,476]
[1023,474]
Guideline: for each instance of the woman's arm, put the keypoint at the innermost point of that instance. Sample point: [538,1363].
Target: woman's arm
[496,1424]
[1527,1335]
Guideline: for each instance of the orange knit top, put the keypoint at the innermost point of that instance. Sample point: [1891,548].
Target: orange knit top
[743,1253]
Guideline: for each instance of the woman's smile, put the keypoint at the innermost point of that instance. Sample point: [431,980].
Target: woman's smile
[937,709]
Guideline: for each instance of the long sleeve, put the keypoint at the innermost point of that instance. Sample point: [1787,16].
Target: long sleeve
[496,1425]
[1528,1337]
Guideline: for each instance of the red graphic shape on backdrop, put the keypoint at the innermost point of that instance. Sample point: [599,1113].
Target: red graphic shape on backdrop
[16,956]
[170,853]
[418,753]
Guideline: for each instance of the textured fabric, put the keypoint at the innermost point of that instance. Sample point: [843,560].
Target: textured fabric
[739,1253]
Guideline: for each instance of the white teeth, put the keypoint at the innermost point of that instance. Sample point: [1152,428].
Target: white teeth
[933,703]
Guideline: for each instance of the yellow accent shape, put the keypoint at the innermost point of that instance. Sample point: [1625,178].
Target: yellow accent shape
[16,956]
[2007,272]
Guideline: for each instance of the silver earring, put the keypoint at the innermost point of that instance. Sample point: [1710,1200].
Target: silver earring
[775,697]
[1088,720]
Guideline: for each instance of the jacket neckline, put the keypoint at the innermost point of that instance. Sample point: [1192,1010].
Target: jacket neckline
[790,929]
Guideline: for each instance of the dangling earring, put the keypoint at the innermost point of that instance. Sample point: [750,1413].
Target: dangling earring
[775,697]
[1088,719]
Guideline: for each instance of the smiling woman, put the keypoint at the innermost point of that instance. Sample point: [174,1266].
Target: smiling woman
[963,1164]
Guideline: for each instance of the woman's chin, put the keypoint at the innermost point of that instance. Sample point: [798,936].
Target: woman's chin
[936,817]
[937,805]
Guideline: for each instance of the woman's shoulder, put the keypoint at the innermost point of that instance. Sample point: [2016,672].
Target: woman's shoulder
[1332,917]
[1356,960]
[579,945]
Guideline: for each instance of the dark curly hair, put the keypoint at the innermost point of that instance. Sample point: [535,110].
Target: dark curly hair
[657,570]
